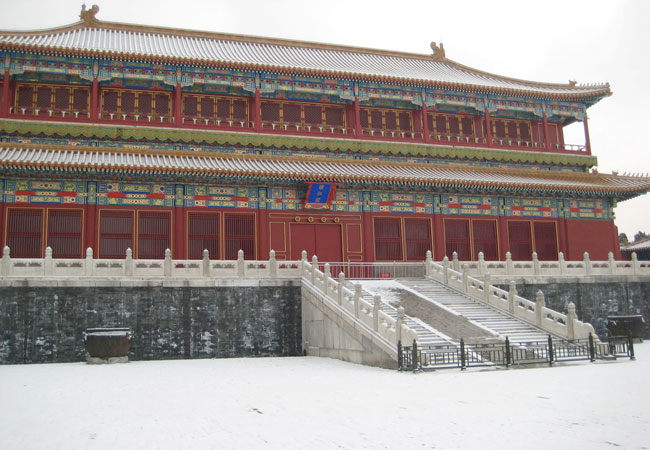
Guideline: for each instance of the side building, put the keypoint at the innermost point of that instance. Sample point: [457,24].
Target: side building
[116,136]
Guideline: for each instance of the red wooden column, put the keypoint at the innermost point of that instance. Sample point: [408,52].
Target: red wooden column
[4,108]
[257,112]
[92,225]
[438,237]
[504,244]
[587,140]
[94,100]
[488,127]
[425,122]
[547,145]
[178,111]
[357,118]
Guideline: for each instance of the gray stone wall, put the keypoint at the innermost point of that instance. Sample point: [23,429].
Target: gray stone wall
[46,324]
[594,301]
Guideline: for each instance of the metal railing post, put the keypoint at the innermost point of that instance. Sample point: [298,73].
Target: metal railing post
[399,355]
[462,354]
[507,355]
[550,350]
[414,356]
[592,349]
[630,347]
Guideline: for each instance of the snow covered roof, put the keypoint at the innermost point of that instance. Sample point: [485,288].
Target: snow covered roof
[318,168]
[91,37]
[643,244]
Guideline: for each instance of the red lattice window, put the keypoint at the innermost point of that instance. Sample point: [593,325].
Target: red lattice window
[512,130]
[519,238]
[418,239]
[44,98]
[25,96]
[162,104]
[270,111]
[375,119]
[128,102]
[405,121]
[64,233]
[115,233]
[239,110]
[207,108]
[441,124]
[25,232]
[457,239]
[545,241]
[364,118]
[190,106]
[334,117]
[454,126]
[62,98]
[203,234]
[388,239]
[239,234]
[313,115]
[499,129]
[153,234]
[145,103]
[484,234]
[223,109]
[468,126]
[80,100]
[291,113]
[110,101]
[524,131]
[391,120]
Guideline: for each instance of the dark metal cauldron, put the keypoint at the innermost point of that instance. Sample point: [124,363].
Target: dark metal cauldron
[107,342]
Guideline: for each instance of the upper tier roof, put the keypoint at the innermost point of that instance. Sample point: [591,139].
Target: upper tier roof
[91,37]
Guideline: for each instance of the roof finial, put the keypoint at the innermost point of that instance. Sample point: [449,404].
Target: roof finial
[88,16]
[572,83]
[438,51]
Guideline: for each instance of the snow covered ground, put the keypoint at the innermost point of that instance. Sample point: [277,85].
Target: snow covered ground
[317,403]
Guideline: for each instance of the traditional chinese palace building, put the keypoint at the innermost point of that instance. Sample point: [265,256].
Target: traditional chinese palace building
[116,136]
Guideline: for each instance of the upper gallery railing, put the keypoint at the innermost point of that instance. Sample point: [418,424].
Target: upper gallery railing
[146,268]
[559,268]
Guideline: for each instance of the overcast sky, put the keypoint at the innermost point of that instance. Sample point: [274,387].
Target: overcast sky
[552,41]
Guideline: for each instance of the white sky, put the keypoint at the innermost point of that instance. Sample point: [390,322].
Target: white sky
[553,41]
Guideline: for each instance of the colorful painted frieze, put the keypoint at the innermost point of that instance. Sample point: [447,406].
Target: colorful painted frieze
[45,192]
[530,207]
[468,205]
[587,209]
[135,194]
[201,196]
[400,202]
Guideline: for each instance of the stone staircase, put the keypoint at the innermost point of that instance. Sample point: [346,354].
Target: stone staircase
[426,335]
[476,311]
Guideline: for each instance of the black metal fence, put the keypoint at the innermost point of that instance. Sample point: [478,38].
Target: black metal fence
[508,354]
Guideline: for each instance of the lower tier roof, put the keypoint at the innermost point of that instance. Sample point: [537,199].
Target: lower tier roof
[131,162]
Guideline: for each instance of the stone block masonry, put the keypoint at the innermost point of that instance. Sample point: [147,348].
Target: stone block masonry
[46,323]
[594,300]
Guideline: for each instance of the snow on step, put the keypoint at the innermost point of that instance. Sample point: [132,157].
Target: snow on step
[485,315]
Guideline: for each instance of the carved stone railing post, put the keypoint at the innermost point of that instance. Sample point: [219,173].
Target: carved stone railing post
[454,261]
[571,317]
[587,264]
[340,288]
[241,264]
[486,287]
[314,268]
[128,263]
[167,266]
[510,268]
[635,263]
[512,292]
[357,299]
[536,268]
[376,307]
[303,263]
[398,324]
[273,265]
[205,263]
[327,274]
[6,261]
[445,270]
[481,263]
[540,304]
[427,264]
[611,263]
[89,264]
[562,263]
[48,264]
[465,279]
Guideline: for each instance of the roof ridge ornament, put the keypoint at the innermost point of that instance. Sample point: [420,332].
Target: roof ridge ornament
[438,51]
[87,16]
